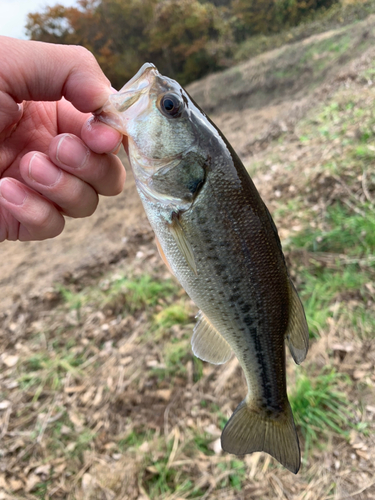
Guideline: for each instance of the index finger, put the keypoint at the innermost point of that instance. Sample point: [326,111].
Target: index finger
[38,71]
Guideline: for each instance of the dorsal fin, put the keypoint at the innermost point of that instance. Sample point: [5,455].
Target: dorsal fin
[297,333]
[208,344]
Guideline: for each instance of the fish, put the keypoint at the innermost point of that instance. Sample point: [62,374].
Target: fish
[218,238]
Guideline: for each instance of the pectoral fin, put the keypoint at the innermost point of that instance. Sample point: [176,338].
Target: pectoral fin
[182,243]
[208,344]
[297,333]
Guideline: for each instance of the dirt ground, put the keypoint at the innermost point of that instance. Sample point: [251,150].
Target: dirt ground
[118,236]
[250,114]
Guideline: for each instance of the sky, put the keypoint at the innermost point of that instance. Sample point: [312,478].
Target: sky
[13,14]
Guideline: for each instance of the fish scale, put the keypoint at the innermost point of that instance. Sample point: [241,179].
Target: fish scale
[216,235]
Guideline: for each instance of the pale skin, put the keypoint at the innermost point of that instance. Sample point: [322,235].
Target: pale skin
[55,158]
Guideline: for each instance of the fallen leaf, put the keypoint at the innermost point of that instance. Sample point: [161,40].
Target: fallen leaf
[99,396]
[59,469]
[145,447]
[88,483]
[216,446]
[344,347]
[164,394]
[31,482]
[126,361]
[359,446]
[152,469]
[152,363]
[15,484]
[85,398]
[213,430]
[363,454]
[65,430]
[75,388]
[43,469]
[10,360]
[76,419]
[110,445]
[4,404]
[359,374]
[3,483]
[70,447]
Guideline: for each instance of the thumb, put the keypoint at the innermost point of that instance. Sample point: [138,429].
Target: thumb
[37,71]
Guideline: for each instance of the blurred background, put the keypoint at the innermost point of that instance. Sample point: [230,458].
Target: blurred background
[100,395]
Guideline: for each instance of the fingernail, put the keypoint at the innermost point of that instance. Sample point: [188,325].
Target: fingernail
[71,152]
[117,147]
[12,192]
[43,171]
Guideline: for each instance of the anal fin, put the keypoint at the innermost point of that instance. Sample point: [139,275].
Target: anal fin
[208,344]
[297,333]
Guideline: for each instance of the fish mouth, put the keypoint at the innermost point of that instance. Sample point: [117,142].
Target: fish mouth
[113,113]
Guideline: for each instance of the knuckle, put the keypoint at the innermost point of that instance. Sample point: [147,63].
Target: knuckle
[44,221]
[48,224]
[9,227]
[53,228]
[82,51]
[83,201]
[84,55]
[110,176]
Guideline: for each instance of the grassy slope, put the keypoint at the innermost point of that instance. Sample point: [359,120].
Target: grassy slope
[102,398]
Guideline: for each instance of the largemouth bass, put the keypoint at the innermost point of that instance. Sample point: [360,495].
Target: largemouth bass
[218,238]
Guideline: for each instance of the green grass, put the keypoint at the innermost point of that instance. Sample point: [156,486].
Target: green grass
[344,244]
[322,287]
[342,231]
[121,294]
[140,292]
[134,439]
[160,479]
[362,319]
[84,441]
[320,407]
[176,354]
[174,314]
[236,476]
[46,370]
[318,22]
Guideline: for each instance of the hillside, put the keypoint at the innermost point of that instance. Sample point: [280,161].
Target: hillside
[100,395]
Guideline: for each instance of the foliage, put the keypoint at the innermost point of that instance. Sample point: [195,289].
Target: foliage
[316,21]
[272,16]
[183,38]
[186,39]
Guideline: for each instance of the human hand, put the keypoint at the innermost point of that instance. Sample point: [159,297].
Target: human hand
[55,158]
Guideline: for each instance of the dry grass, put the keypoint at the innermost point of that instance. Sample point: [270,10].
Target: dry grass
[101,398]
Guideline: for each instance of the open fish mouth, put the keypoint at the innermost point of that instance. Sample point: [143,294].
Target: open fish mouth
[114,112]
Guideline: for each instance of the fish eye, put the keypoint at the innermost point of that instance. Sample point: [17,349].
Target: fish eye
[170,104]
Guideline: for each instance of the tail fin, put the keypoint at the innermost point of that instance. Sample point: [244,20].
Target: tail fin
[250,430]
